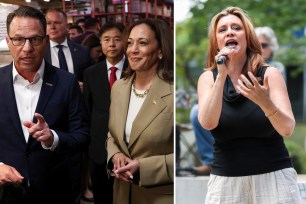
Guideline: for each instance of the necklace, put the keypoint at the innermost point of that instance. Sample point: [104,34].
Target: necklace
[138,94]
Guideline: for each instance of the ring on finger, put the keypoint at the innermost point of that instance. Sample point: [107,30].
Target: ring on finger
[250,86]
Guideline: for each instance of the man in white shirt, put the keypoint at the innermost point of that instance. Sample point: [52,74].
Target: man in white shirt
[42,120]
[77,56]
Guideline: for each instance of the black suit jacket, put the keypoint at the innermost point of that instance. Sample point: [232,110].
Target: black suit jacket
[80,57]
[97,100]
[46,173]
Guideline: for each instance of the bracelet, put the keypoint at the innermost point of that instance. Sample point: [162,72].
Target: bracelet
[271,114]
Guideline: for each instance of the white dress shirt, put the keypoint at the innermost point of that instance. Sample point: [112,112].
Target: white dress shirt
[67,53]
[27,95]
[134,107]
[119,66]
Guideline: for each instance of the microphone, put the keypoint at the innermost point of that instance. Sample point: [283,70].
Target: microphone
[223,58]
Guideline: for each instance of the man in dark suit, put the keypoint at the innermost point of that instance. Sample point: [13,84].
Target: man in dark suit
[77,56]
[42,116]
[97,90]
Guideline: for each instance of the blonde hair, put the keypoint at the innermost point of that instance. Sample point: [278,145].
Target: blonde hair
[254,58]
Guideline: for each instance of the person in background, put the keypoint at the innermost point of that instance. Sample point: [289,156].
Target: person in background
[269,45]
[92,26]
[74,31]
[77,57]
[98,81]
[81,22]
[42,124]
[245,104]
[94,45]
[141,131]
[204,142]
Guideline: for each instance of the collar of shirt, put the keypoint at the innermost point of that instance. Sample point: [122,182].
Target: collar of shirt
[119,65]
[39,74]
[53,44]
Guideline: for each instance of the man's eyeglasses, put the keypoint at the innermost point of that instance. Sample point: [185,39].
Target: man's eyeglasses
[264,45]
[34,41]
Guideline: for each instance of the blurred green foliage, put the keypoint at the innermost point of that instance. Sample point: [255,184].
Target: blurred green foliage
[297,155]
[182,115]
[296,145]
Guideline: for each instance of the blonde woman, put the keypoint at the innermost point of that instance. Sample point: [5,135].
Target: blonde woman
[245,104]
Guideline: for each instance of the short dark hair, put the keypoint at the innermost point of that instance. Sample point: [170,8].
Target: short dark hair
[78,28]
[26,11]
[110,25]
[57,11]
[90,23]
[164,37]
[91,41]
[80,20]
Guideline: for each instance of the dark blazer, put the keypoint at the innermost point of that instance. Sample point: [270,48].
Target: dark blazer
[80,57]
[46,173]
[97,100]
[79,39]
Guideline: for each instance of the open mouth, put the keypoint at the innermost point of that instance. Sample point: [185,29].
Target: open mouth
[231,43]
[27,60]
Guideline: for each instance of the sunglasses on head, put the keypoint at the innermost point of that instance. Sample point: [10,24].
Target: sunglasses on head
[264,45]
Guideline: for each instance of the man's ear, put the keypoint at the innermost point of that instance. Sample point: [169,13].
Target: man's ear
[7,39]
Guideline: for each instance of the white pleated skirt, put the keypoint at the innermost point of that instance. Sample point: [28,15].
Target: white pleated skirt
[278,187]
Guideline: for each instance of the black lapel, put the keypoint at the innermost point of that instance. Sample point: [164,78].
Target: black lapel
[104,77]
[48,54]
[125,66]
[7,89]
[74,56]
[47,88]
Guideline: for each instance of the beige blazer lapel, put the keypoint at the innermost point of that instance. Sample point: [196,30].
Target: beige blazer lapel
[152,106]
[122,105]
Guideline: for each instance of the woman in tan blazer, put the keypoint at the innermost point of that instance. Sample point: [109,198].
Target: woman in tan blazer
[140,139]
